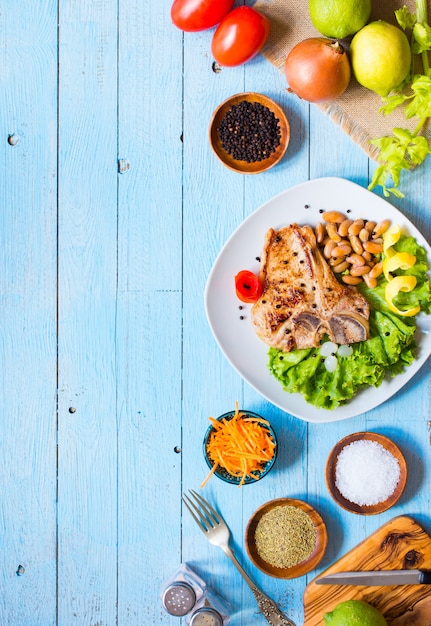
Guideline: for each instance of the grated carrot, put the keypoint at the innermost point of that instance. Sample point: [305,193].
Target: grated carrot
[240,444]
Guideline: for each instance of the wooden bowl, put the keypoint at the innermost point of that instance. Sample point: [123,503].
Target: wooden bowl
[297,570]
[331,464]
[242,166]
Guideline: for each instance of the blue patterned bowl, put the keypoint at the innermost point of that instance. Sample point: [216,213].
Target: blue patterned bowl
[223,473]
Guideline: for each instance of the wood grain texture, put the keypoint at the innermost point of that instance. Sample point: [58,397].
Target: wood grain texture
[87,305]
[28,215]
[149,348]
[113,210]
[401,543]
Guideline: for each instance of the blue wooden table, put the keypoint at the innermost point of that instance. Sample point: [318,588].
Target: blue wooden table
[113,210]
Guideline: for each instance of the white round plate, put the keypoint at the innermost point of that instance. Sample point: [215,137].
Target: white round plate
[302,204]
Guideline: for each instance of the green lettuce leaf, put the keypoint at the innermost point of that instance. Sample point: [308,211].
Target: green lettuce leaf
[390,349]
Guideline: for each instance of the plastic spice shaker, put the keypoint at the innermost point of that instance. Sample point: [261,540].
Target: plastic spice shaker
[182,591]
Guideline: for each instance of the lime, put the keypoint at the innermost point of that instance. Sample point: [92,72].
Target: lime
[339,18]
[380,55]
[354,613]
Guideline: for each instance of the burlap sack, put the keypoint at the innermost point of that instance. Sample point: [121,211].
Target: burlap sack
[356,111]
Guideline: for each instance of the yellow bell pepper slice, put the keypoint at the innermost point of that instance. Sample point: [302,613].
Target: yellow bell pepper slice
[400,260]
[390,237]
[394,286]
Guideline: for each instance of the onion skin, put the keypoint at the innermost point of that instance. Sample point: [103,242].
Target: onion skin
[317,69]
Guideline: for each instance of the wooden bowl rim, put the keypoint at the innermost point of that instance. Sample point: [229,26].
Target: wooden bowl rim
[372,509]
[242,166]
[305,566]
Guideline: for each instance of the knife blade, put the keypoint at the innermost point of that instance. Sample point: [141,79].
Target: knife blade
[377,578]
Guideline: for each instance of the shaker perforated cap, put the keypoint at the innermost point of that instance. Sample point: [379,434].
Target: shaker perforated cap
[179,599]
[206,616]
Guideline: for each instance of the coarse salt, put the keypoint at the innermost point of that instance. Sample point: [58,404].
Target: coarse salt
[366,473]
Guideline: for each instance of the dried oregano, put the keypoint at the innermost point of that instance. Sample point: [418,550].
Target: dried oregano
[285,536]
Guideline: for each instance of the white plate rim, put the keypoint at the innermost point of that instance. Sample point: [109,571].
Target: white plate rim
[241,251]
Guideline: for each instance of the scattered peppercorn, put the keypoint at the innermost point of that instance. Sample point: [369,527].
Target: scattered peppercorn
[249,132]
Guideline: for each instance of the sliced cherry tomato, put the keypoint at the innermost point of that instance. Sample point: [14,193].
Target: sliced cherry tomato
[240,36]
[248,286]
[194,15]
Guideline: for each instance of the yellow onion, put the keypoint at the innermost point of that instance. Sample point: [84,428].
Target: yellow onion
[317,69]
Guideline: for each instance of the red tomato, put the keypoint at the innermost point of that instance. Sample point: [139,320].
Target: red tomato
[193,15]
[248,286]
[240,36]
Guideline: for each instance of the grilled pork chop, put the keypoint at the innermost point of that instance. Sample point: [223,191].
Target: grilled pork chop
[302,300]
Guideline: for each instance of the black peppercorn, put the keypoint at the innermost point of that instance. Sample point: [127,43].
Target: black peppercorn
[249,132]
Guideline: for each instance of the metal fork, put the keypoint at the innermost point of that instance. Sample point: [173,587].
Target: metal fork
[217,532]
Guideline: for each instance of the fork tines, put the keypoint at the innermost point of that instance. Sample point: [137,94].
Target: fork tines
[203,513]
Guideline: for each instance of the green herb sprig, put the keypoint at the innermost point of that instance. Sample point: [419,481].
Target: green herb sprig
[404,150]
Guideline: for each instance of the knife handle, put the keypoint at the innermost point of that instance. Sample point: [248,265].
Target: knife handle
[425,578]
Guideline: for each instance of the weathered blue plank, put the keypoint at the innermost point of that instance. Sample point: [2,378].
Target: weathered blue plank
[149,319]
[87,293]
[28,214]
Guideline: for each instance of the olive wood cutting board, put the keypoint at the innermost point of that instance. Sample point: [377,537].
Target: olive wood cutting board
[399,544]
